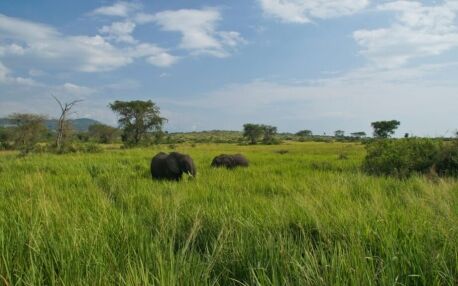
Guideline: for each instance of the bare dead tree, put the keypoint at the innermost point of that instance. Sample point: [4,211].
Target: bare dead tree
[61,124]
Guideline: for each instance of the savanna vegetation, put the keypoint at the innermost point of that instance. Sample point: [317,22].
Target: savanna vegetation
[306,215]
[309,209]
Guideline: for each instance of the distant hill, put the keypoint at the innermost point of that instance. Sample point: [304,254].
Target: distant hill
[79,124]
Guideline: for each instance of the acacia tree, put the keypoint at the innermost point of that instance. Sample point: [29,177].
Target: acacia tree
[384,129]
[137,118]
[339,133]
[304,133]
[360,134]
[252,132]
[63,126]
[269,134]
[27,131]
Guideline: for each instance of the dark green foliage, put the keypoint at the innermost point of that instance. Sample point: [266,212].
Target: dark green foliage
[269,134]
[76,148]
[137,118]
[102,133]
[5,138]
[404,157]
[339,133]
[384,129]
[447,162]
[82,136]
[211,136]
[28,130]
[360,134]
[304,133]
[252,132]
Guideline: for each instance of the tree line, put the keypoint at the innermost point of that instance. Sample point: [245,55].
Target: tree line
[140,122]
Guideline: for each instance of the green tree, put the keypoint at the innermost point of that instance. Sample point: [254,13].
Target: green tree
[269,134]
[103,133]
[360,134]
[27,131]
[136,119]
[304,133]
[384,129]
[252,132]
[5,138]
[339,133]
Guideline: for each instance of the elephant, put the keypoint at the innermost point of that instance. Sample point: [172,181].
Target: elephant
[172,166]
[230,161]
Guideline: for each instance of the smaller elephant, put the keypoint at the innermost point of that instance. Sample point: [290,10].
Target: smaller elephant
[230,161]
[172,166]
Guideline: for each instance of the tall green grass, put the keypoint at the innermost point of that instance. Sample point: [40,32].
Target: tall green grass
[308,217]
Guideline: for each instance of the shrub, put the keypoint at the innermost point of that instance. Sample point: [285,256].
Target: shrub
[77,148]
[447,162]
[40,148]
[91,148]
[401,157]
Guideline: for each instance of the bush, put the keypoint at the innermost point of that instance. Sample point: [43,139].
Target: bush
[91,148]
[77,148]
[403,157]
[6,146]
[447,163]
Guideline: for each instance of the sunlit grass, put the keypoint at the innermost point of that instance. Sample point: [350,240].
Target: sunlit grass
[307,217]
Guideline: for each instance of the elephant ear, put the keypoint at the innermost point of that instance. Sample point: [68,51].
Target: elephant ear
[172,165]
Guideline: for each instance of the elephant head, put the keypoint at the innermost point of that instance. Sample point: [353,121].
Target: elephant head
[182,163]
[172,166]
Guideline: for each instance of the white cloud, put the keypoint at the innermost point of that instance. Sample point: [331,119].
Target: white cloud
[303,11]
[36,72]
[13,49]
[119,9]
[3,71]
[153,54]
[144,18]
[418,31]
[72,90]
[120,32]
[198,30]
[41,43]
[7,78]
[349,102]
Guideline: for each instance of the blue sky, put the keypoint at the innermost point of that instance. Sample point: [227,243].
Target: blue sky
[310,64]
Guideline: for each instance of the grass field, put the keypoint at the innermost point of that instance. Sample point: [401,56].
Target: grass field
[308,217]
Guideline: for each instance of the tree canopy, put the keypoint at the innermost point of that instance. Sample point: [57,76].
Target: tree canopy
[339,133]
[28,130]
[269,134]
[384,129]
[304,133]
[103,133]
[137,118]
[254,132]
[360,134]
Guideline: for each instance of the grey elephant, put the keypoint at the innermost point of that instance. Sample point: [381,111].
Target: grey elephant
[172,166]
[230,161]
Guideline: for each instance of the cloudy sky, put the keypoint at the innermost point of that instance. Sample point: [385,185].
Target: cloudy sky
[296,64]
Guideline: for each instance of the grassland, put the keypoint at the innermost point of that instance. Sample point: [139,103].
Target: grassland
[307,217]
